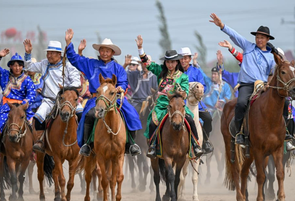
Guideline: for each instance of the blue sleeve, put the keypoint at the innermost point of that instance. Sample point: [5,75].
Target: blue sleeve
[226,92]
[80,62]
[230,78]
[27,57]
[30,91]
[200,78]
[122,80]
[207,80]
[237,38]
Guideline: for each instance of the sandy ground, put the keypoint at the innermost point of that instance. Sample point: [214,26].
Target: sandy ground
[214,191]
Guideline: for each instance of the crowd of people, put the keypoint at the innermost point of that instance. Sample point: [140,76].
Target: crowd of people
[38,83]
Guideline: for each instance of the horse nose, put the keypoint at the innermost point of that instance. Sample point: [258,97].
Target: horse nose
[12,138]
[100,112]
[65,115]
[176,126]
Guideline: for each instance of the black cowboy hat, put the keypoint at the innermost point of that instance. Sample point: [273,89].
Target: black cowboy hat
[171,55]
[263,30]
[214,69]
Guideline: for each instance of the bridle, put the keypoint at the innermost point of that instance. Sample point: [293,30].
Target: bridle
[19,134]
[174,113]
[192,91]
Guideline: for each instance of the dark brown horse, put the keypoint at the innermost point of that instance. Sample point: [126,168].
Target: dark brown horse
[18,143]
[61,144]
[266,133]
[175,146]
[109,140]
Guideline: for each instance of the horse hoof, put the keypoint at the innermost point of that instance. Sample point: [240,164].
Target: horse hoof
[20,199]
[12,198]
[166,198]
[57,199]
[141,188]
[270,196]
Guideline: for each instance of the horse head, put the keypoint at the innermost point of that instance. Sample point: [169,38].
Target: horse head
[149,103]
[176,109]
[67,100]
[196,92]
[16,128]
[285,77]
[106,96]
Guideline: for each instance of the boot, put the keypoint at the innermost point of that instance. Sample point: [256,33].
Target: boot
[290,146]
[240,139]
[152,149]
[85,150]
[39,144]
[208,148]
[197,149]
[288,137]
[134,149]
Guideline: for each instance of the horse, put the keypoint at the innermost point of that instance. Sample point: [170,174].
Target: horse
[18,144]
[175,146]
[196,92]
[219,150]
[61,143]
[109,140]
[266,129]
[141,160]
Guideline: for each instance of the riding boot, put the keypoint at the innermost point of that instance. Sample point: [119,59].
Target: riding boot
[153,143]
[288,137]
[85,150]
[290,146]
[239,138]
[133,148]
[39,136]
[197,149]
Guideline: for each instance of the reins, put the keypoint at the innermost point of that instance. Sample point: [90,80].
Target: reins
[20,128]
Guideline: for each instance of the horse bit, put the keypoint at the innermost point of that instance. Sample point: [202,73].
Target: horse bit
[19,134]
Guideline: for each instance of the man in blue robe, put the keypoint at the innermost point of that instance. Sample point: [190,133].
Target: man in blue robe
[106,66]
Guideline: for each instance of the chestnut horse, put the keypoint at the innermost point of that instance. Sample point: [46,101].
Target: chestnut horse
[61,143]
[266,133]
[175,146]
[196,93]
[109,140]
[18,144]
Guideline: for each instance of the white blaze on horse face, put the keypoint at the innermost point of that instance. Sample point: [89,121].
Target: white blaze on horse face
[292,69]
[105,88]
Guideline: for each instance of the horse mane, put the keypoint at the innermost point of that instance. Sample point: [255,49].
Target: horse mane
[176,95]
[67,89]
[108,81]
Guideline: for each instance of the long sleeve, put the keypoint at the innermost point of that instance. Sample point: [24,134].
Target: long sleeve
[207,80]
[156,69]
[226,95]
[30,91]
[184,84]
[229,77]
[73,76]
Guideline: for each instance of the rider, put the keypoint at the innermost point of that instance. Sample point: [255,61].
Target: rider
[170,74]
[17,87]
[51,70]
[106,66]
[257,64]
[195,75]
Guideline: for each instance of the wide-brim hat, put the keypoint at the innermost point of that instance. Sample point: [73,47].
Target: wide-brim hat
[264,31]
[54,46]
[171,55]
[108,43]
[185,51]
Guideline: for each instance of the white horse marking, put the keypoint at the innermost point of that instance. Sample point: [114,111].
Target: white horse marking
[105,88]
[292,69]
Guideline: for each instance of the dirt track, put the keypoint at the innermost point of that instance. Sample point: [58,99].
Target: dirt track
[214,191]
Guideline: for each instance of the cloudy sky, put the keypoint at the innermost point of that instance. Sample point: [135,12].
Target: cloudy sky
[123,20]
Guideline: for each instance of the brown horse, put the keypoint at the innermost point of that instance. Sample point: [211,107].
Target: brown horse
[109,140]
[266,133]
[61,143]
[175,146]
[18,143]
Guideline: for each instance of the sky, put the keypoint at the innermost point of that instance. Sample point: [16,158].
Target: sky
[123,20]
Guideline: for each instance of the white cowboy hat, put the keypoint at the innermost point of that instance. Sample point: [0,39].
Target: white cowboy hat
[108,43]
[135,60]
[54,46]
[185,51]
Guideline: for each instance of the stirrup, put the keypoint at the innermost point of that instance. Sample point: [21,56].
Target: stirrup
[38,148]
[151,152]
[134,150]
[85,150]
[239,139]
[290,146]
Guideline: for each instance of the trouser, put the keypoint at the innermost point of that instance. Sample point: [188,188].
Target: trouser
[245,91]
[88,124]
[289,122]
[207,126]
[40,128]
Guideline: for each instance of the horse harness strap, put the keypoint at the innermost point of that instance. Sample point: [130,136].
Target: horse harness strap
[19,134]
[286,84]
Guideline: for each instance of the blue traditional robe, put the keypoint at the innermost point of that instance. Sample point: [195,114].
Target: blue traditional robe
[38,83]
[92,68]
[18,88]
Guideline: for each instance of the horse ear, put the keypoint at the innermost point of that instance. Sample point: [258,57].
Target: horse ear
[25,106]
[278,59]
[10,105]
[183,94]
[114,80]
[60,86]
[170,96]
[101,79]
[293,63]
[153,90]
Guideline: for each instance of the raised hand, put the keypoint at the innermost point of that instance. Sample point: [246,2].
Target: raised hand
[139,41]
[4,52]
[225,43]
[82,46]
[127,60]
[216,20]
[195,57]
[219,57]
[69,36]
[28,46]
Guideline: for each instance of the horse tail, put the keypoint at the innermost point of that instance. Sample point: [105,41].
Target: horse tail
[48,167]
[6,175]
[162,169]
[80,165]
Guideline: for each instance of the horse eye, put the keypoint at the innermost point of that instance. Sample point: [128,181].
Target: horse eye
[112,93]
[183,105]
[22,117]
[283,72]
[169,107]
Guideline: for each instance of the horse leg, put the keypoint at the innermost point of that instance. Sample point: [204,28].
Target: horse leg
[183,174]
[244,175]
[170,179]
[151,180]
[99,178]
[30,175]
[82,183]
[155,166]
[72,169]
[260,167]
[270,192]
[56,173]
[13,178]
[120,178]
[2,172]
[21,178]
[208,163]
[195,177]
[131,170]
[179,166]
[278,159]
[104,180]
[145,168]
[88,174]
[40,171]
[220,164]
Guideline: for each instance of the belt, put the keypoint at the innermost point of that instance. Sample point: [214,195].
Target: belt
[9,100]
